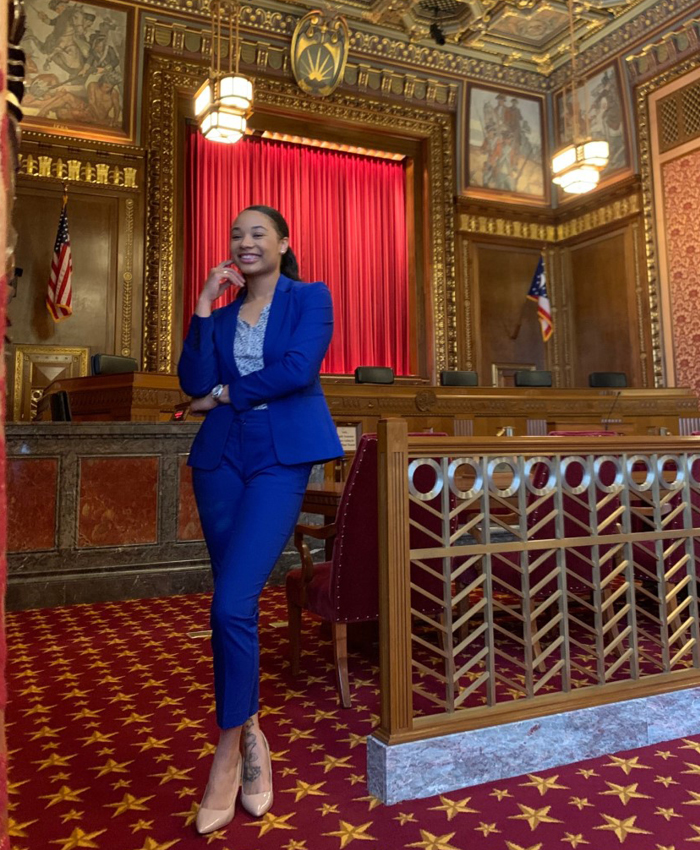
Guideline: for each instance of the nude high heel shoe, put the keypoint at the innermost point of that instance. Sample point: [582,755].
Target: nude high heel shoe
[258,804]
[209,820]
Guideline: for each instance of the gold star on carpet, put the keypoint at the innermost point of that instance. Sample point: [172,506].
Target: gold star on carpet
[404,818]
[355,778]
[64,795]
[434,842]
[207,749]
[511,846]
[98,738]
[452,808]
[89,713]
[185,792]
[152,743]
[46,732]
[666,813]
[190,815]
[73,814]
[298,734]
[371,800]
[694,768]
[331,762]
[486,829]
[121,783]
[186,723]
[665,781]
[289,771]
[279,755]
[129,803]
[328,809]
[347,833]
[16,830]
[580,802]
[500,794]
[305,789]
[322,715]
[54,760]
[543,783]
[622,827]
[152,844]
[575,840]
[665,754]
[533,816]
[111,766]
[666,847]
[697,837]
[625,793]
[135,717]
[79,838]
[314,748]
[295,845]
[626,764]
[691,745]
[354,740]
[270,710]
[172,773]
[269,822]
[586,773]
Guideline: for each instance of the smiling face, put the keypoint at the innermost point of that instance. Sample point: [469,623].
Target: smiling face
[256,246]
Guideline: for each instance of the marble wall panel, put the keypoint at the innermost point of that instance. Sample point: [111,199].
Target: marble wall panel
[188,525]
[118,501]
[31,504]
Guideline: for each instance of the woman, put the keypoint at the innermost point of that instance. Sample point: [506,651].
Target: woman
[253,367]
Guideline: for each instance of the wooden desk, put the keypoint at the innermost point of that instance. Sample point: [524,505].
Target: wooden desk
[482,411]
[129,397]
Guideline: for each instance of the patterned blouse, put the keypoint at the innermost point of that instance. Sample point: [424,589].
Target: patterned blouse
[248,345]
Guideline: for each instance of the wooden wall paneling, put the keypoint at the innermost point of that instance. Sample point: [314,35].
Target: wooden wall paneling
[93,225]
[501,277]
[603,306]
[106,231]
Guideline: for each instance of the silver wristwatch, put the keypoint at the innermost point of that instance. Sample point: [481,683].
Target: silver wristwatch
[217,391]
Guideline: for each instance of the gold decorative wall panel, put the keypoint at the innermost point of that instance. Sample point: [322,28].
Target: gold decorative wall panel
[168,76]
[645,165]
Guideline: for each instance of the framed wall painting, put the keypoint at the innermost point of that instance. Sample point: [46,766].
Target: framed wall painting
[80,69]
[505,146]
[602,112]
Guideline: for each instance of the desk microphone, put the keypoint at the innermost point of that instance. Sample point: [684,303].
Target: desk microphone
[607,419]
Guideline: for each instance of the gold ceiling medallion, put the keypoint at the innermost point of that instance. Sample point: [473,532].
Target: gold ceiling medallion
[319,52]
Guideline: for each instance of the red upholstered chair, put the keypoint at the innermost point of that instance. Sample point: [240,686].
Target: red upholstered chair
[346,588]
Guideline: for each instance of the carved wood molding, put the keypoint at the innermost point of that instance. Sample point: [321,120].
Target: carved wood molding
[167,76]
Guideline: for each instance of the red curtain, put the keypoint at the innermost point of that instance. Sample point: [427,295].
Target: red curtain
[347,220]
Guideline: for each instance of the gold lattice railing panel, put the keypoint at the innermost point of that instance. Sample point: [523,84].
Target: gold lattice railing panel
[539,571]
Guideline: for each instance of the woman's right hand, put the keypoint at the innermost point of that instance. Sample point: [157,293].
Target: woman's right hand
[221,278]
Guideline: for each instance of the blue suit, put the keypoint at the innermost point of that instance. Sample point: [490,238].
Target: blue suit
[299,331]
[251,467]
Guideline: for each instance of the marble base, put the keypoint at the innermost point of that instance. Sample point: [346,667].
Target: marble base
[438,765]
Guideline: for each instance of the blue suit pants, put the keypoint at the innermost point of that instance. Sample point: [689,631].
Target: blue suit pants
[248,507]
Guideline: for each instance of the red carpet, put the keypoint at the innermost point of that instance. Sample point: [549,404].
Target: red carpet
[111,727]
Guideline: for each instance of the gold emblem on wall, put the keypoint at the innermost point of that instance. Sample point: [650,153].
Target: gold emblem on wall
[319,52]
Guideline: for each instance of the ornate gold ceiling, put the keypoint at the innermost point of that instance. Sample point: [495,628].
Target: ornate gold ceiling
[530,34]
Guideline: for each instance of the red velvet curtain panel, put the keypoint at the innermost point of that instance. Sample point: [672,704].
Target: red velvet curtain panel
[347,219]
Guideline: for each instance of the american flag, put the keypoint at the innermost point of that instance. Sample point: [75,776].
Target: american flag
[538,293]
[60,295]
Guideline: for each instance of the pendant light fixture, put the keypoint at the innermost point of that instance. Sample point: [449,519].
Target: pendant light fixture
[577,166]
[224,102]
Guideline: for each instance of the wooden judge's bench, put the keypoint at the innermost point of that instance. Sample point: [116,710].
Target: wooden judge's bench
[458,411]
[102,507]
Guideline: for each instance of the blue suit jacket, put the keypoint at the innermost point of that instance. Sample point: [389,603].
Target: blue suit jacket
[299,330]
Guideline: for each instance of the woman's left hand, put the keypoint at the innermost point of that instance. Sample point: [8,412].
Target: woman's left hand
[206,402]
[203,404]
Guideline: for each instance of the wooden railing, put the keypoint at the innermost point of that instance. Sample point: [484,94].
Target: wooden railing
[521,577]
